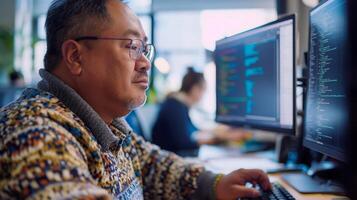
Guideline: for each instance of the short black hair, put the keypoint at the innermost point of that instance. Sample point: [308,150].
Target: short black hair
[68,19]
[191,79]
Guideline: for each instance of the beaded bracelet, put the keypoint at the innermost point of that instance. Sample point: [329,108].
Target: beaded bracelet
[215,183]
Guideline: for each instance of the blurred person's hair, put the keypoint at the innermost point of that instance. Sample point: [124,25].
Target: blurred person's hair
[191,79]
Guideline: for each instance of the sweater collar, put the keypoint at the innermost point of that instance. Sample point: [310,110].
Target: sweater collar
[84,111]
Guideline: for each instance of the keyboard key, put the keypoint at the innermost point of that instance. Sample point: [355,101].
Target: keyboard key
[278,192]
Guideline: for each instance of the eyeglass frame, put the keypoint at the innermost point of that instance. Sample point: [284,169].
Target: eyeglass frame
[142,50]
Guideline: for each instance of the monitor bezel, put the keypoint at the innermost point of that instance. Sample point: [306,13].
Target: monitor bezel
[306,143]
[250,125]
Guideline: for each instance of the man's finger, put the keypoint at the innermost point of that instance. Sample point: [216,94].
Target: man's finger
[262,179]
[257,175]
[242,191]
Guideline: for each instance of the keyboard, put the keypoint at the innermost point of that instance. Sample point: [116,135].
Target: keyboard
[278,192]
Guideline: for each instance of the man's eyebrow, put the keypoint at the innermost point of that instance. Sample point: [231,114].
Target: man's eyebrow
[131,32]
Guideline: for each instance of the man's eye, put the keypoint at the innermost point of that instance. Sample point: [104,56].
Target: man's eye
[130,46]
[133,47]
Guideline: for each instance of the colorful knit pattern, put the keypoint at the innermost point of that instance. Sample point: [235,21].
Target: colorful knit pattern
[47,152]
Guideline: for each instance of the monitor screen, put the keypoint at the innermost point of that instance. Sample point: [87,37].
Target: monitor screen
[256,77]
[326,113]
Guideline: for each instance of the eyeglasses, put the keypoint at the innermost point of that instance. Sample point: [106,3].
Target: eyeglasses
[136,46]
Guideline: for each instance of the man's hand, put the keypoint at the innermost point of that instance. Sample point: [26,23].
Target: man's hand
[232,186]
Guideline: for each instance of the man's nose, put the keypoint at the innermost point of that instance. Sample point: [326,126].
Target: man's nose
[143,63]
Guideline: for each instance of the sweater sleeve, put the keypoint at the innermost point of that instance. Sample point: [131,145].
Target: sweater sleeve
[42,160]
[167,176]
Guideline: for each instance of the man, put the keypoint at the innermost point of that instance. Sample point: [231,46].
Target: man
[66,139]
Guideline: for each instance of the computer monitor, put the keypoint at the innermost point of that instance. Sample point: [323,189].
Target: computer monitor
[255,77]
[351,169]
[326,113]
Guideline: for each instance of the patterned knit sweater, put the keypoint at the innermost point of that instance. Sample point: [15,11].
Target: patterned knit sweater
[48,151]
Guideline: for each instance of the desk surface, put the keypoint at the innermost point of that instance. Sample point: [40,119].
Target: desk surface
[224,160]
[299,196]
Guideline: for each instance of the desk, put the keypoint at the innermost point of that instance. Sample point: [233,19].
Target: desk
[225,159]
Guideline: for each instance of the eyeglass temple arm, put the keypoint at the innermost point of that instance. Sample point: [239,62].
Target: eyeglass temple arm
[86,38]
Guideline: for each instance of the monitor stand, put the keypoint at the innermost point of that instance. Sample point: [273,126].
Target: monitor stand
[290,168]
[320,178]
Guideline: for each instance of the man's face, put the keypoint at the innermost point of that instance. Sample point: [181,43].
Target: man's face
[111,77]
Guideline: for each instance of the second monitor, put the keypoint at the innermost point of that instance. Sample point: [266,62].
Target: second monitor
[256,77]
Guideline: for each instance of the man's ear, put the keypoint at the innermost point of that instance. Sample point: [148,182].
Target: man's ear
[71,53]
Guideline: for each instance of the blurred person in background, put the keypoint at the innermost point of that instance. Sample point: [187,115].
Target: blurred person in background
[12,91]
[16,79]
[174,129]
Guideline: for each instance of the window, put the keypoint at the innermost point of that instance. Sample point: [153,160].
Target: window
[187,38]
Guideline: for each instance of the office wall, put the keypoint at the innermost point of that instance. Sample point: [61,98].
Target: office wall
[7,23]
[23,38]
[16,17]
[166,5]
[40,7]
[302,27]
[7,14]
